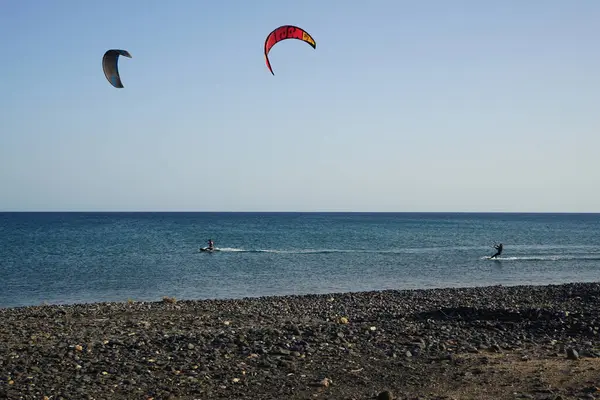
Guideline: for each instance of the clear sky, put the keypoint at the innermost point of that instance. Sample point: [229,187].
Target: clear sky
[403,106]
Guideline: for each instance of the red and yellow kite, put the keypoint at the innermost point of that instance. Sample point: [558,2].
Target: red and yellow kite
[286,32]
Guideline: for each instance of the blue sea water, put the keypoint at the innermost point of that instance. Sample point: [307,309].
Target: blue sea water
[65,258]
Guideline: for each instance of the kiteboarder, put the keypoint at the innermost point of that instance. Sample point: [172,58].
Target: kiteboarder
[211,245]
[498,248]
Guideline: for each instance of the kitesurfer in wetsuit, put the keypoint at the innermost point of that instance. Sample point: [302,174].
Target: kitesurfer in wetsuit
[211,245]
[498,248]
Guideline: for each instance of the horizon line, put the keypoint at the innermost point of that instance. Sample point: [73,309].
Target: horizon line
[287,212]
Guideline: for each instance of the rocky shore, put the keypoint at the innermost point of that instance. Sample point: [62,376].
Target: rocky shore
[529,342]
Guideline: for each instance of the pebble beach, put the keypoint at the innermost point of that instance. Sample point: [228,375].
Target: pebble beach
[530,342]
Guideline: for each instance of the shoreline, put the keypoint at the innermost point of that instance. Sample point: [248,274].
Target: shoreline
[161,298]
[538,341]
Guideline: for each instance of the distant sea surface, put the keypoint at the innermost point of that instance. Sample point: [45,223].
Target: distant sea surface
[65,258]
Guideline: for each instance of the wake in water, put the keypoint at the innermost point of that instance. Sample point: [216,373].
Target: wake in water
[408,250]
[331,251]
[301,251]
[541,257]
[561,257]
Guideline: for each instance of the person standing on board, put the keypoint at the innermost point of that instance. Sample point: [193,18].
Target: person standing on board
[498,248]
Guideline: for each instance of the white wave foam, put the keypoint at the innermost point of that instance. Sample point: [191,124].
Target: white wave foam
[562,257]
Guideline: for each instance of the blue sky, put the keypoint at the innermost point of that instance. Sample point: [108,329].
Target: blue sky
[403,106]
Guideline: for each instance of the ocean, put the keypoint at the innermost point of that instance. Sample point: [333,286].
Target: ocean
[66,258]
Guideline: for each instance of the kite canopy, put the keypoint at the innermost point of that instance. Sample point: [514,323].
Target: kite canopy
[110,67]
[286,32]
